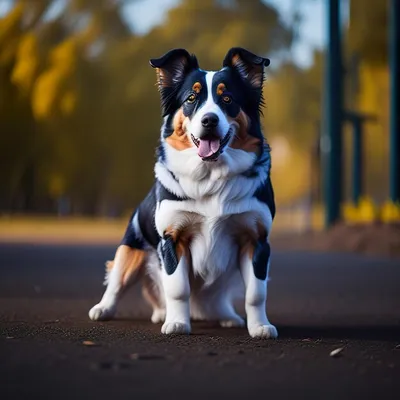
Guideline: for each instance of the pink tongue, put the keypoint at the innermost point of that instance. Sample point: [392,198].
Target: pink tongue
[208,147]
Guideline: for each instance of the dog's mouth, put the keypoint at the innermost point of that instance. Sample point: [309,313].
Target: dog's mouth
[210,147]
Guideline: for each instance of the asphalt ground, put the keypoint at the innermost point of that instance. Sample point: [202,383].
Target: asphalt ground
[320,302]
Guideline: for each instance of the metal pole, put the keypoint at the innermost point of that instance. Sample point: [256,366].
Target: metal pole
[394,144]
[331,144]
[357,184]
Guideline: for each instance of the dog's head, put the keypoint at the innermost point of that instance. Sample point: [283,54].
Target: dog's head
[211,112]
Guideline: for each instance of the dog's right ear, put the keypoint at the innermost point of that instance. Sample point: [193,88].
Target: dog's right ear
[172,69]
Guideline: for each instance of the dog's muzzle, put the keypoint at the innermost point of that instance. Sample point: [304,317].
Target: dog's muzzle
[211,147]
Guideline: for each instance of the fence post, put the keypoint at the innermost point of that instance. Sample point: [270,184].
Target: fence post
[394,144]
[331,142]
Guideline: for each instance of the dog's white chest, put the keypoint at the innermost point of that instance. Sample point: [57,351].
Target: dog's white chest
[213,249]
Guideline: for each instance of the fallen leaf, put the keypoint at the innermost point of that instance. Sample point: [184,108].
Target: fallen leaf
[336,352]
[89,343]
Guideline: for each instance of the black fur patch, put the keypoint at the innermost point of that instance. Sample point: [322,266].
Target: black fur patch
[130,237]
[265,194]
[261,256]
[190,108]
[164,194]
[147,210]
[170,258]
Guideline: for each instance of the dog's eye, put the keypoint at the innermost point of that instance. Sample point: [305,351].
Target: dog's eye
[226,99]
[191,98]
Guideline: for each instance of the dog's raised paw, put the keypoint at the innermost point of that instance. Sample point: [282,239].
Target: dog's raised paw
[263,331]
[178,328]
[101,313]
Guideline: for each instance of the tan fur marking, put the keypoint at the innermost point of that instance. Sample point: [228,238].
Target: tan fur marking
[197,87]
[249,238]
[161,78]
[183,236]
[181,239]
[109,265]
[131,259]
[221,89]
[179,140]
[242,139]
[236,59]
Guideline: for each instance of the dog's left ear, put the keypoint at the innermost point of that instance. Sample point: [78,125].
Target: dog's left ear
[172,68]
[249,66]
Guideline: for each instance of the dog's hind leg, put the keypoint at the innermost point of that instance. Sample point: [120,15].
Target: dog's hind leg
[121,272]
[152,288]
[152,293]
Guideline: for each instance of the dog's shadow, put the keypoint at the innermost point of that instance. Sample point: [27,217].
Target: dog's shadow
[292,332]
[378,333]
[314,332]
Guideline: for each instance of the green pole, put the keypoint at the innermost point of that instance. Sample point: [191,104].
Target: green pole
[331,144]
[394,144]
[357,160]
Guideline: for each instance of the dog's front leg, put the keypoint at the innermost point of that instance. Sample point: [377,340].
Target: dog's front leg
[175,279]
[254,269]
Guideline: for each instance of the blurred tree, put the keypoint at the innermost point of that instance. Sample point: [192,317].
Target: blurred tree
[293,112]
[367,85]
[367,31]
[79,114]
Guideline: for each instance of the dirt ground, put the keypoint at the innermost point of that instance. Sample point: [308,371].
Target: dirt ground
[320,302]
[374,239]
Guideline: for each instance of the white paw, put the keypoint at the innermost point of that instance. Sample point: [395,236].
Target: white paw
[158,316]
[179,328]
[235,322]
[263,331]
[101,313]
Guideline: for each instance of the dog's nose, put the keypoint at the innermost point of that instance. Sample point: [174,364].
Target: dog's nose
[210,120]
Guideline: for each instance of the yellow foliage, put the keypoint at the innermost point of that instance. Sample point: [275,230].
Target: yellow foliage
[65,54]
[68,102]
[367,211]
[52,82]
[390,212]
[350,213]
[364,212]
[45,93]
[27,63]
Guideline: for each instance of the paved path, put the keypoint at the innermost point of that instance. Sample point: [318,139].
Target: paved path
[319,302]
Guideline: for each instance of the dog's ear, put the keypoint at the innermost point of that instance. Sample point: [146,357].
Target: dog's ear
[172,69]
[249,66]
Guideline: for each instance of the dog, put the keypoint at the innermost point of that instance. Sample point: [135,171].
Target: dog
[199,241]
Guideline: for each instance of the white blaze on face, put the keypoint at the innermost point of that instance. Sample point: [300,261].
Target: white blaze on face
[206,146]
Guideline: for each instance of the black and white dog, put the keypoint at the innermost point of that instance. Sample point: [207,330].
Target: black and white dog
[199,240]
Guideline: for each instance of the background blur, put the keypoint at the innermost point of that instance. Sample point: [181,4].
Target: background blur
[79,110]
